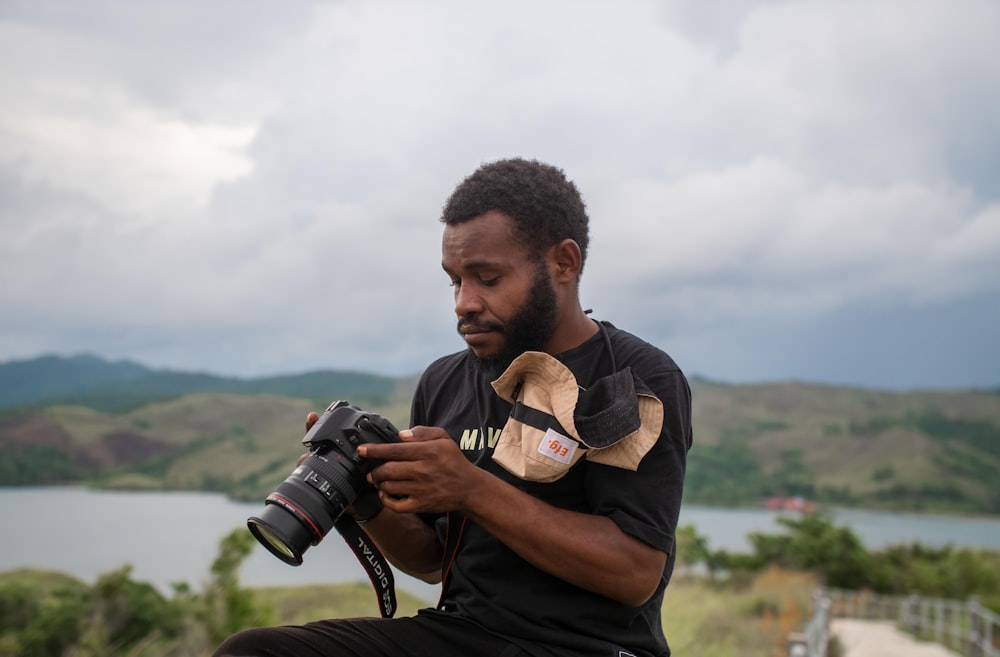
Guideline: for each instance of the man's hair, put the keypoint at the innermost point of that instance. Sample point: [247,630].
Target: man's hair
[544,204]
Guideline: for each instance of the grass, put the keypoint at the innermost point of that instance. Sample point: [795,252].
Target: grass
[752,619]
[301,604]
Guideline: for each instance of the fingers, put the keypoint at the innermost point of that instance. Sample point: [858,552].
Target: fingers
[392,451]
[399,504]
[408,450]
[422,434]
[419,474]
[394,491]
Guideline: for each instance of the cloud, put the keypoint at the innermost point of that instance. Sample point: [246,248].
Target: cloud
[250,188]
[804,245]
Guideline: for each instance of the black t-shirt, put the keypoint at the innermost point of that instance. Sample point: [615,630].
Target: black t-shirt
[489,583]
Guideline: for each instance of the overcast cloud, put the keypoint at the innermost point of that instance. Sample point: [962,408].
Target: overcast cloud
[778,190]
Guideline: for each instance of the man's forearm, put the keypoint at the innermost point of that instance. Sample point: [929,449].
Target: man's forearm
[408,543]
[586,550]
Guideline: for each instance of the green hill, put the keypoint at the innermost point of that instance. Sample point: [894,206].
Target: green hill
[240,444]
[921,450]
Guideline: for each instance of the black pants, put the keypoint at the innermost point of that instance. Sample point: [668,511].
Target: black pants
[428,634]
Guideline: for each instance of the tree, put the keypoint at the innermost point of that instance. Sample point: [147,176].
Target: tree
[57,626]
[122,613]
[814,543]
[226,607]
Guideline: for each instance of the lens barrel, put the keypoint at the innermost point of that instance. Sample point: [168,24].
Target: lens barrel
[281,533]
[305,506]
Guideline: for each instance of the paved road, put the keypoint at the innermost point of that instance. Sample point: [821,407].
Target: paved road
[861,638]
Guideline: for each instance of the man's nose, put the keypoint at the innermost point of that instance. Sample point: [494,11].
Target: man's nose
[467,302]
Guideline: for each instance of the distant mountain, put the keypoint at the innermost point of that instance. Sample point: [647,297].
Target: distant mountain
[27,382]
[123,385]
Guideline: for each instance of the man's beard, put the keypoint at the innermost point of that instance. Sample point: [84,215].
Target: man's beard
[528,330]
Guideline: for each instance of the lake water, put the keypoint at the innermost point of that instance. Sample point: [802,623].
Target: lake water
[173,537]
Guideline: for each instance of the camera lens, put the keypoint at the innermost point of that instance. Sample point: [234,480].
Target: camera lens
[304,507]
[277,545]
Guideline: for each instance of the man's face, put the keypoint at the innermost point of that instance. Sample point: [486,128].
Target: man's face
[504,298]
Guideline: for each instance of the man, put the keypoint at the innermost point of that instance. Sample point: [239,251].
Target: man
[572,566]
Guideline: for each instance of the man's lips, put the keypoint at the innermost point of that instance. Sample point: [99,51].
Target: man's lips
[475,333]
[470,328]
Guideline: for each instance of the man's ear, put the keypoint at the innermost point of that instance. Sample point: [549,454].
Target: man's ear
[567,261]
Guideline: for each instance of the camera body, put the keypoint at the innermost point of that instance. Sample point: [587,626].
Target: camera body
[305,506]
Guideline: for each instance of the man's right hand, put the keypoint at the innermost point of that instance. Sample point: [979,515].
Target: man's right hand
[409,543]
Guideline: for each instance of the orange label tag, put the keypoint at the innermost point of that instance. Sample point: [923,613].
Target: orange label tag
[557,447]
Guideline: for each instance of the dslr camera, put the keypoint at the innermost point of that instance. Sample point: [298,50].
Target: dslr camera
[303,508]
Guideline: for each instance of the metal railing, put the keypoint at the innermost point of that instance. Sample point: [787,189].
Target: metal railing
[815,639]
[965,627]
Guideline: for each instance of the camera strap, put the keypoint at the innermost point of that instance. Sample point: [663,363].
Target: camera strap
[373,561]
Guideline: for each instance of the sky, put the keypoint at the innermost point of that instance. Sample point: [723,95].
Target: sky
[778,190]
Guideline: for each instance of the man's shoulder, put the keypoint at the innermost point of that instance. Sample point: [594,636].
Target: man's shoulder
[445,387]
[446,366]
[662,375]
[636,352]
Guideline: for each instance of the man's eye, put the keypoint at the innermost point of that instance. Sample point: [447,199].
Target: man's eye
[489,282]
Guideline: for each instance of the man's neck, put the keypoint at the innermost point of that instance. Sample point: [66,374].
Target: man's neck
[571,332]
